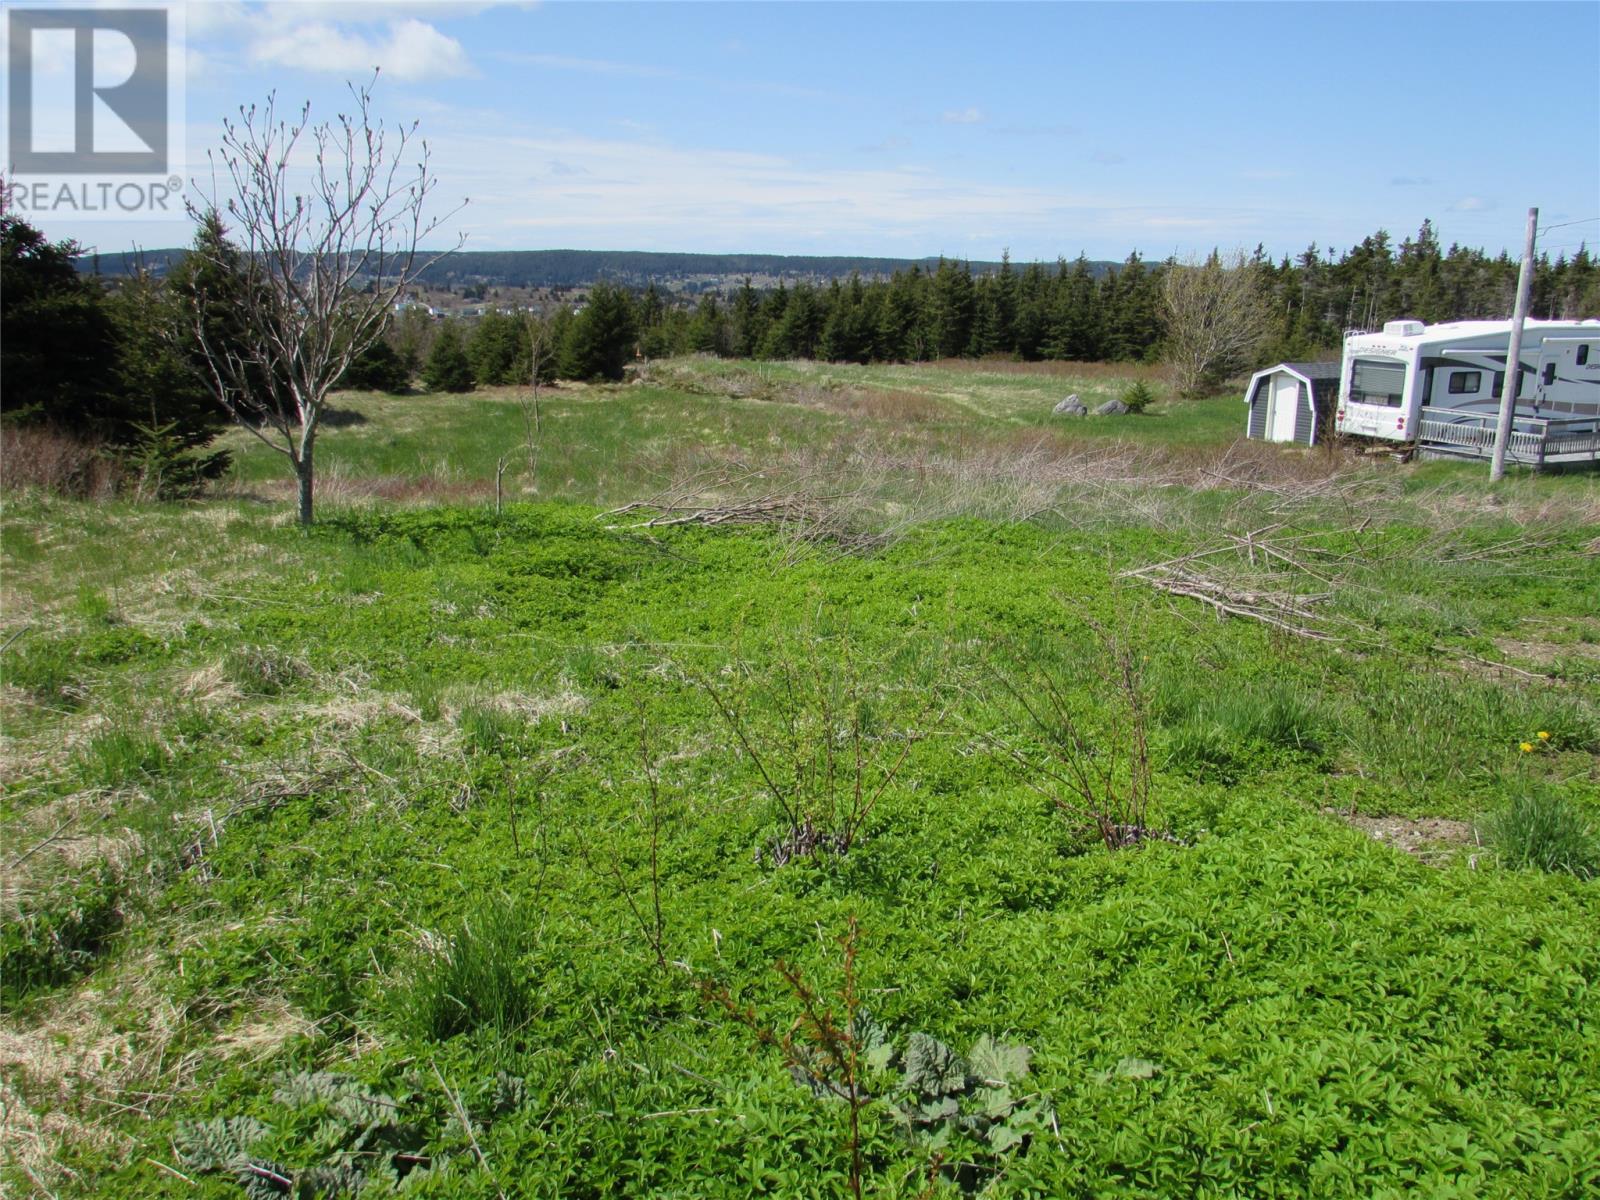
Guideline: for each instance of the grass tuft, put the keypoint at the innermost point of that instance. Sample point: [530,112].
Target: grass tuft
[122,755]
[264,671]
[1542,828]
[477,980]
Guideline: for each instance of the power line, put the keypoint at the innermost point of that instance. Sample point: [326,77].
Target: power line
[1564,224]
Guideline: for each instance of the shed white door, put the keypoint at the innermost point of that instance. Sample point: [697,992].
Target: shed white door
[1285,401]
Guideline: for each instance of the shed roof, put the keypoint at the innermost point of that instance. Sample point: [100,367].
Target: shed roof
[1313,370]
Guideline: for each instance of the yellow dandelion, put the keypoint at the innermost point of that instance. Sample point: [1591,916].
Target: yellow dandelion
[1544,735]
[1527,747]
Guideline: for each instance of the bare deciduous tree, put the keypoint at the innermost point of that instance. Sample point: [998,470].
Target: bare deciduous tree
[1217,318]
[328,220]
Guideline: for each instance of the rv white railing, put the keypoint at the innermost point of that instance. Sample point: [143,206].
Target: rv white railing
[1533,440]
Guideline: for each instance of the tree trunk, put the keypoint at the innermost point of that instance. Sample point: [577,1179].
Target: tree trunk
[303,471]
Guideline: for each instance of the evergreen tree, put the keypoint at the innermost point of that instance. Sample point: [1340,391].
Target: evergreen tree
[1033,313]
[796,333]
[448,368]
[848,333]
[1421,291]
[749,323]
[657,333]
[103,367]
[164,415]
[1005,305]
[600,341]
[58,352]
[212,279]
[411,333]
[901,333]
[377,369]
[708,331]
[954,307]
[495,347]
[1074,330]
[985,321]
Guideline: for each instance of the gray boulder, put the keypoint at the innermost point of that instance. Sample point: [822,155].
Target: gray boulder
[1071,407]
[1111,408]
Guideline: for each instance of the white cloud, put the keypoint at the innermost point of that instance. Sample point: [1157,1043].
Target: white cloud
[962,116]
[1471,204]
[208,18]
[409,50]
[347,37]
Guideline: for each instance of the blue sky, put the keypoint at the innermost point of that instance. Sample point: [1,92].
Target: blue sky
[913,129]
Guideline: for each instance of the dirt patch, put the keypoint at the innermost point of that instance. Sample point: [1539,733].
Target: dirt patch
[1544,653]
[1431,839]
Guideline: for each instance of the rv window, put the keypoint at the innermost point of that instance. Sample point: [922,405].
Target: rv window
[1376,382]
[1583,354]
[1466,383]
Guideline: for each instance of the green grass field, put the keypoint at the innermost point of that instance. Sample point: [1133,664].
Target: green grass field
[456,853]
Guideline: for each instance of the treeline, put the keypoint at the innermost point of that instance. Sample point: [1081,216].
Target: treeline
[1071,310]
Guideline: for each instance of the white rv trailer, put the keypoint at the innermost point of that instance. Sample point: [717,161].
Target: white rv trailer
[1439,386]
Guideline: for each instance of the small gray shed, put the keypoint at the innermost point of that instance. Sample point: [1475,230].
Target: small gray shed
[1292,402]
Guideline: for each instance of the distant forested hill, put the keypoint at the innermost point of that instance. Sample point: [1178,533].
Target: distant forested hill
[571,268]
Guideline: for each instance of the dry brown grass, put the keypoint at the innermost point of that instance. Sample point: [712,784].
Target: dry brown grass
[57,462]
[116,1046]
[101,1051]
[890,407]
[1110,373]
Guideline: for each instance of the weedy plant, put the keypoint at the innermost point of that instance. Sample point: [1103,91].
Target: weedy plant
[965,1115]
[820,730]
[823,1048]
[59,933]
[332,1135]
[1095,771]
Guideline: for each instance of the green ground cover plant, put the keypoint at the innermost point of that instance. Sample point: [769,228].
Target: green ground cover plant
[418,853]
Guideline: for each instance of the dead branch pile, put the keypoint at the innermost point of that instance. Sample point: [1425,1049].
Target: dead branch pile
[1258,576]
[1285,578]
[803,515]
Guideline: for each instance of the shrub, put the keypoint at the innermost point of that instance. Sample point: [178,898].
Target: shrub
[1541,828]
[1092,761]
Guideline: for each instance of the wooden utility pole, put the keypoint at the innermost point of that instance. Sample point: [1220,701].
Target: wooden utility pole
[1508,394]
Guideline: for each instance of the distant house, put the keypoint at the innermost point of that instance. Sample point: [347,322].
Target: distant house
[1292,402]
